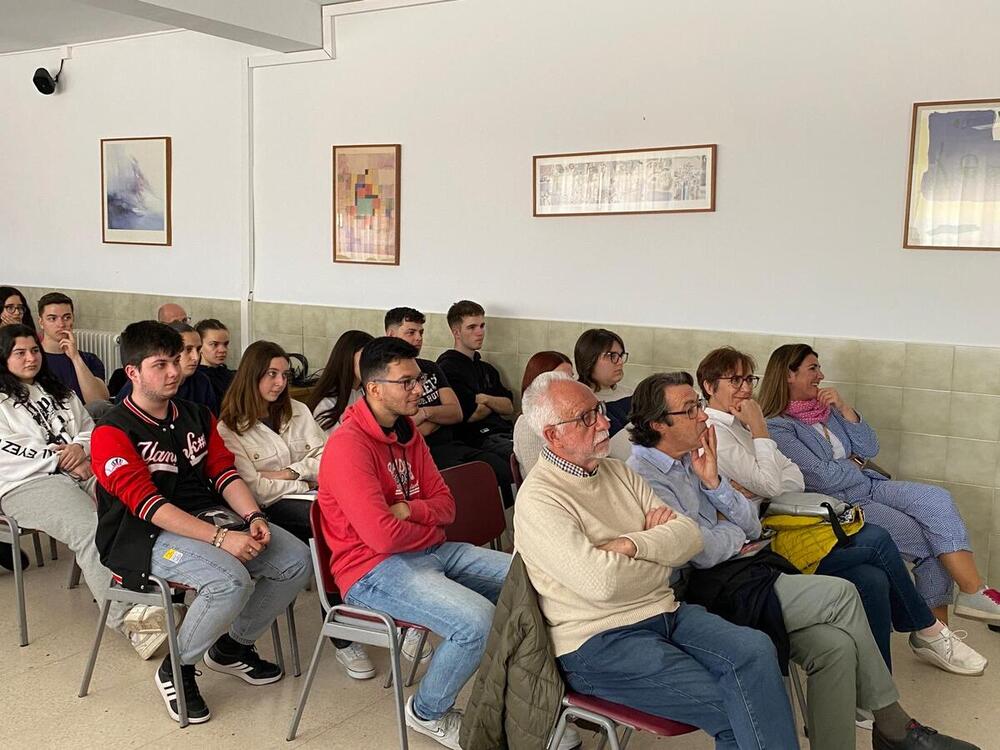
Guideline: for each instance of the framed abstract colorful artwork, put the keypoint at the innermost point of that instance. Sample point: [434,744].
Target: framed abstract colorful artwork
[672,179]
[953,189]
[135,191]
[366,204]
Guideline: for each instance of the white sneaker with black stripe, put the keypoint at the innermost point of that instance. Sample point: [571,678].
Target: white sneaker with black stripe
[241,661]
[197,711]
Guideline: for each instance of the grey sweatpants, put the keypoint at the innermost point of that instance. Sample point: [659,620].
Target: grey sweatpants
[830,639]
[62,509]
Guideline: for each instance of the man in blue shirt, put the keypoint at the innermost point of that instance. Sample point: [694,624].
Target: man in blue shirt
[82,372]
[825,622]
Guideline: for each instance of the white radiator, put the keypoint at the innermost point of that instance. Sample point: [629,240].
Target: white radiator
[102,343]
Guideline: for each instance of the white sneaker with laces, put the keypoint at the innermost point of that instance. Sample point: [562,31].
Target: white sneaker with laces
[355,661]
[444,731]
[145,627]
[570,739]
[983,605]
[412,641]
[947,652]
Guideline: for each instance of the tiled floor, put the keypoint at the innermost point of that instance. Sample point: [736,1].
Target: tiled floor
[40,708]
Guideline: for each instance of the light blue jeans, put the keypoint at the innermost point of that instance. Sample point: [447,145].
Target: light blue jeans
[243,598]
[450,589]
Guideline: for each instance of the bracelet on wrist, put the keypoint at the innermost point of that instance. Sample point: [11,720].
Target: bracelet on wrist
[254,516]
[220,535]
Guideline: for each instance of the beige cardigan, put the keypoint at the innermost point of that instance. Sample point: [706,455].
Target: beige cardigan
[298,447]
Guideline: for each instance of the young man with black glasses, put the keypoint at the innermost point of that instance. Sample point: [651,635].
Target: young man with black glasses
[385,508]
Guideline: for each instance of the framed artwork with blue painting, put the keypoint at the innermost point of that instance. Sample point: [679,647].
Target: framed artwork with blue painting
[953,195]
[366,204]
[135,190]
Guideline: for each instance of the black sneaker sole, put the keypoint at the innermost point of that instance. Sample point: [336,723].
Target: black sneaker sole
[166,691]
[240,669]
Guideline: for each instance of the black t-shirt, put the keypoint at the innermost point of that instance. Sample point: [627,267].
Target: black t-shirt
[468,377]
[436,380]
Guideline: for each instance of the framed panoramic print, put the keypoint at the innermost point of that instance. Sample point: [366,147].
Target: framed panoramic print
[366,204]
[135,190]
[953,188]
[671,179]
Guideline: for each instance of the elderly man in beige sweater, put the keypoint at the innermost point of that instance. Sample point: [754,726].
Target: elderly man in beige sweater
[599,546]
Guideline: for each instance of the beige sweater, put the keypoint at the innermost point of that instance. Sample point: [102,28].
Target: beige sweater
[559,521]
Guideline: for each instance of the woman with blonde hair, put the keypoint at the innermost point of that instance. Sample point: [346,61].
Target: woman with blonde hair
[832,445]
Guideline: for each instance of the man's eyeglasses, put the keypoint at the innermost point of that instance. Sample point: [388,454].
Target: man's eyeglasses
[738,381]
[691,412]
[589,417]
[14,309]
[616,357]
[408,383]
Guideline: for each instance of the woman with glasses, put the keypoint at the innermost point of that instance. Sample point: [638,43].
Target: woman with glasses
[278,445]
[600,359]
[832,444]
[750,459]
[339,386]
[15,309]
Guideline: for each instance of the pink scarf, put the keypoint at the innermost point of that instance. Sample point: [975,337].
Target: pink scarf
[808,412]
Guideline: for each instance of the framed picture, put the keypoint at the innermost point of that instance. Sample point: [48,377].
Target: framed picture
[135,190]
[953,188]
[366,204]
[672,179]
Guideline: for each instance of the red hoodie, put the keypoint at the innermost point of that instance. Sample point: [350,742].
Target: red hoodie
[359,478]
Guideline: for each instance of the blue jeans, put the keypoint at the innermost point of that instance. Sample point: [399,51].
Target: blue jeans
[891,600]
[450,589]
[693,667]
[243,598]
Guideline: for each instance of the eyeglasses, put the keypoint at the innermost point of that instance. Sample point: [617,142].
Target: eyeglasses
[738,381]
[616,357]
[14,309]
[589,417]
[691,412]
[408,383]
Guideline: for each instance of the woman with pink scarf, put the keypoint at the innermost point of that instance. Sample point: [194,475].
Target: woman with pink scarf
[831,443]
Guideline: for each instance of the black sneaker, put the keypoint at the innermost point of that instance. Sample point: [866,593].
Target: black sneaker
[198,712]
[242,661]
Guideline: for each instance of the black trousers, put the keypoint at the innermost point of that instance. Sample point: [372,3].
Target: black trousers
[292,514]
[455,453]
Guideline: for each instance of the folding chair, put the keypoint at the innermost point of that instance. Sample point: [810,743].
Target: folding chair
[353,624]
[164,598]
[515,471]
[610,717]
[479,516]
[11,533]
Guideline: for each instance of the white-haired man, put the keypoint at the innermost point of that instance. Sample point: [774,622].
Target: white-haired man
[599,546]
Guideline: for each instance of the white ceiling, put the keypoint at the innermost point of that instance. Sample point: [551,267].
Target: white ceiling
[37,24]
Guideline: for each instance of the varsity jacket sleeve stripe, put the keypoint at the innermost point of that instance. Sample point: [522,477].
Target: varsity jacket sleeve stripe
[220,464]
[122,473]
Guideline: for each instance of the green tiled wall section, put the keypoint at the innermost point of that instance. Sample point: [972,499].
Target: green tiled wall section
[936,407]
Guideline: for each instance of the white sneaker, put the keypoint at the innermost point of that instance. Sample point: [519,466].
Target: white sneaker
[444,731]
[983,605]
[355,661]
[570,739]
[947,652]
[410,644]
[864,719]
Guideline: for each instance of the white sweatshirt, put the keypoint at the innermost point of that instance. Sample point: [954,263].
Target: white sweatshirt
[27,430]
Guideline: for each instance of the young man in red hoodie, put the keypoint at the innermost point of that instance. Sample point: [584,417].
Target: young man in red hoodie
[384,508]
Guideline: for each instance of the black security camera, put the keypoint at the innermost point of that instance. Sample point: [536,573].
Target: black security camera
[44,81]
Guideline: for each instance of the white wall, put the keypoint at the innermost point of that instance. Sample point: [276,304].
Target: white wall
[809,102]
[184,85]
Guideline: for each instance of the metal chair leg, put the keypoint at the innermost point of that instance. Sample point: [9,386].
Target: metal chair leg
[416,662]
[175,651]
[39,559]
[293,640]
[53,549]
[626,737]
[396,671]
[74,575]
[559,731]
[279,654]
[88,672]
[800,696]
[15,553]
[402,637]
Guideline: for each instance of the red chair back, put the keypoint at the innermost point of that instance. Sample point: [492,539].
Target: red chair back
[322,550]
[515,471]
[479,517]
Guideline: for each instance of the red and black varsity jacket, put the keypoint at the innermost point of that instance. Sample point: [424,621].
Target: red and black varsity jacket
[141,463]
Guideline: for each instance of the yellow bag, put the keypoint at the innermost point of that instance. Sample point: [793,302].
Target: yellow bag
[805,540]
